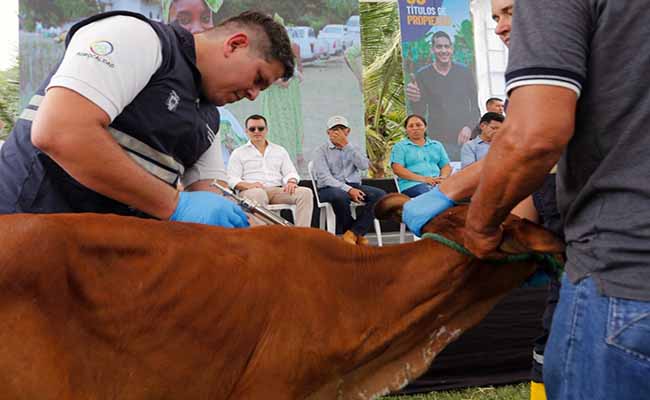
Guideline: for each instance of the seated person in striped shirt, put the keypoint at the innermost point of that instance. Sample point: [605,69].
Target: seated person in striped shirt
[419,162]
[478,147]
[263,172]
[337,166]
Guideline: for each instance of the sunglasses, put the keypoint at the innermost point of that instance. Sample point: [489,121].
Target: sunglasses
[258,128]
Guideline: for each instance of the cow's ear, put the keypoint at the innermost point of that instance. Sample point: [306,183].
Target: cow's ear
[521,235]
[390,206]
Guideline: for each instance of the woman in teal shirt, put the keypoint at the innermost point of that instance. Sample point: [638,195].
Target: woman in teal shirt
[419,162]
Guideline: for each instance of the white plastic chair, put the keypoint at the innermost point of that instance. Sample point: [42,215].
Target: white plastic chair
[277,208]
[327,219]
[402,225]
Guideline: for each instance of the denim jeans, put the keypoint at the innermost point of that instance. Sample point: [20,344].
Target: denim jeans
[341,204]
[599,346]
[417,190]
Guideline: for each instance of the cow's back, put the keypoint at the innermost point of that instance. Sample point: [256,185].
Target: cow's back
[95,306]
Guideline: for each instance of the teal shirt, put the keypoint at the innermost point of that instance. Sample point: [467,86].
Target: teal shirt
[424,160]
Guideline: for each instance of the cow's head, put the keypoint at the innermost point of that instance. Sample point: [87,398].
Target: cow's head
[519,235]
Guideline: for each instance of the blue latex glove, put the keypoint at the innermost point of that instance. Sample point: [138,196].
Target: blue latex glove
[210,209]
[419,210]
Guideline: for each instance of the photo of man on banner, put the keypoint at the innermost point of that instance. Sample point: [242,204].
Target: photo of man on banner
[438,53]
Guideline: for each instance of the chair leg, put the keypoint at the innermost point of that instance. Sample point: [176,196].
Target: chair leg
[380,242]
[322,220]
[402,232]
[331,219]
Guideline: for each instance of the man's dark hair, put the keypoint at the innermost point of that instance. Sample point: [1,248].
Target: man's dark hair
[421,118]
[255,117]
[440,34]
[492,116]
[492,100]
[276,47]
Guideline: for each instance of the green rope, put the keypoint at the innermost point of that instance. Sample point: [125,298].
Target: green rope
[544,258]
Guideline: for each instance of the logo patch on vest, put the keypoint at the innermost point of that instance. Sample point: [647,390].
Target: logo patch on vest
[173,100]
[98,51]
[101,48]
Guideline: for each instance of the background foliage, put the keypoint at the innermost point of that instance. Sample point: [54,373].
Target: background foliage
[9,99]
[314,13]
[55,12]
[383,83]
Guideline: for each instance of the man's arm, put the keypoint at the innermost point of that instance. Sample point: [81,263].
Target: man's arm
[322,173]
[359,159]
[73,132]
[288,170]
[540,123]
[467,155]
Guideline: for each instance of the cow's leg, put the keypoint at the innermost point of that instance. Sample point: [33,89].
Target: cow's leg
[32,364]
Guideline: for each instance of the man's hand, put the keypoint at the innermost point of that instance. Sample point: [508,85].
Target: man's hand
[356,195]
[482,244]
[419,210]
[464,135]
[339,139]
[413,90]
[210,209]
[290,187]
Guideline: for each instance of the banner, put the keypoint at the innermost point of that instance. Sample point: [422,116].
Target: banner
[438,57]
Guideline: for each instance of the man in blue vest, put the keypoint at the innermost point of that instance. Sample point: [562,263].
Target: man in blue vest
[130,112]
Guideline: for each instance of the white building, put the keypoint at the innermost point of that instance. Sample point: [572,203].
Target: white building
[491,54]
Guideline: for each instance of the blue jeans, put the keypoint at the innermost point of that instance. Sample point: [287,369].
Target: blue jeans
[341,204]
[599,346]
[417,190]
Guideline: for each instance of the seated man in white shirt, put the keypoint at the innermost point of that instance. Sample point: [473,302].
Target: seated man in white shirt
[262,171]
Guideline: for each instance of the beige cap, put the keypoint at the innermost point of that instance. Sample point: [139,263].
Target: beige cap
[337,120]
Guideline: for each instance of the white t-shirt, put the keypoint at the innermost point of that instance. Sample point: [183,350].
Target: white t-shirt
[109,62]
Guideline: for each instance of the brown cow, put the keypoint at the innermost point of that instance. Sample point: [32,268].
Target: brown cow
[106,307]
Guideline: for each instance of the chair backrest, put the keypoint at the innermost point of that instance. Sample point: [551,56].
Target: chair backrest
[396,183]
[455,166]
[310,168]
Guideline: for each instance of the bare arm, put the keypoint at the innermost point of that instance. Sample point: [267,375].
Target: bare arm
[446,171]
[73,132]
[406,173]
[540,123]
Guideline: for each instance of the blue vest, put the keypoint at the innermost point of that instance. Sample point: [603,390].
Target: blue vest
[165,129]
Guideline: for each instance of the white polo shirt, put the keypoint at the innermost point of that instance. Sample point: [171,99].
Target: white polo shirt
[273,168]
[99,65]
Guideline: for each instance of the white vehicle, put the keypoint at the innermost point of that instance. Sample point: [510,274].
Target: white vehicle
[311,48]
[353,33]
[333,35]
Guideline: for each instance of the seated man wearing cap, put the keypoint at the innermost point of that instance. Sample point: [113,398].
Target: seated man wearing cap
[337,166]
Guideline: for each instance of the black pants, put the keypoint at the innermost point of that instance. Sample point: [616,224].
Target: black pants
[341,203]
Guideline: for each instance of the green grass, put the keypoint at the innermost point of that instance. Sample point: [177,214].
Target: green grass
[514,392]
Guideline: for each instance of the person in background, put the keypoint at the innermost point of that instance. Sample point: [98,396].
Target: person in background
[419,162]
[493,104]
[337,170]
[477,148]
[262,171]
[445,92]
[194,15]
